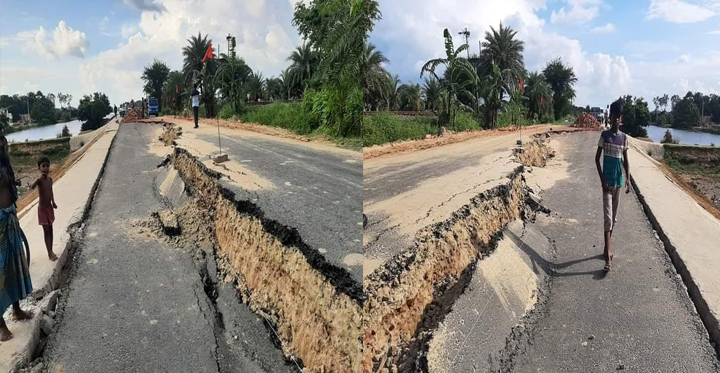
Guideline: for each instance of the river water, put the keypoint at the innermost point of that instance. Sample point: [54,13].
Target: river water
[685,137]
[45,132]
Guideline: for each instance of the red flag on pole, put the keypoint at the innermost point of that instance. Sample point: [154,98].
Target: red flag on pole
[208,54]
[521,84]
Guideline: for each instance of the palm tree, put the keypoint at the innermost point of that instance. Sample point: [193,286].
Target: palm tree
[431,93]
[304,65]
[286,83]
[154,76]
[174,89]
[502,49]
[375,77]
[539,94]
[561,79]
[456,67]
[255,85]
[275,88]
[231,77]
[393,100]
[410,97]
[198,73]
[494,87]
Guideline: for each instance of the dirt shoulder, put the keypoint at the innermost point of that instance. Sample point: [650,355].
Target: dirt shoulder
[278,132]
[697,171]
[415,145]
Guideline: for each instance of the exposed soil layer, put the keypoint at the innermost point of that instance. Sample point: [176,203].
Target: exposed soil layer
[697,170]
[410,295]
[315,306]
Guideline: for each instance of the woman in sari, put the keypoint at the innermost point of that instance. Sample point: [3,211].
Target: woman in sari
[15,281]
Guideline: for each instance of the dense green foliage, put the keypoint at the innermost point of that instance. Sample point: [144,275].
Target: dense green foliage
[561,79]
[635,116]
[154,77]
[42,107]
[291,116]
[93,109]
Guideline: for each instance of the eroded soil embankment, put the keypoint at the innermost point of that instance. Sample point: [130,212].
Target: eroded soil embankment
[409,296]
[316,307]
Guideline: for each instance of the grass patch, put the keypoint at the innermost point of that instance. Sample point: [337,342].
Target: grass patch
[693,159]
[382,128]
[281,114]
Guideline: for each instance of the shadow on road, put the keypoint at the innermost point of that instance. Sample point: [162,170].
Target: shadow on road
[550,268]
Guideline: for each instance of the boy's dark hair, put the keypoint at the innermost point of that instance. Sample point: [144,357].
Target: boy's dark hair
[616,108]
[43,159]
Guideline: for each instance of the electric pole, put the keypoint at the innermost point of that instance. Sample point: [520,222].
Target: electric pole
[466,33]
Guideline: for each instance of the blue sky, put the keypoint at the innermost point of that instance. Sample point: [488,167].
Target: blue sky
[80,47]
[639,47]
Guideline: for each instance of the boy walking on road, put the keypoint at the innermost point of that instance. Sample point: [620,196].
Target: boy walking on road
[195,104]
[613,145]
[15,281]
[46,213]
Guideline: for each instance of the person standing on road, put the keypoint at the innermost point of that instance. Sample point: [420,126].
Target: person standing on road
[195,97]
[613,145]
[115,110]
[15,283]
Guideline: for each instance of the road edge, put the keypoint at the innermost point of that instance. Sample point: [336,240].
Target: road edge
[709,320]
[63,263]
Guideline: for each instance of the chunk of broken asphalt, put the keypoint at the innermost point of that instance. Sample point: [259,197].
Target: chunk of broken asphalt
[169,221]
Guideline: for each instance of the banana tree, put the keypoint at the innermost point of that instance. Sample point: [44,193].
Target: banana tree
[460,76]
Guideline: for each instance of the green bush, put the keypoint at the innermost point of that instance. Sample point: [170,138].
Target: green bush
[506,120]
[382,128]
[226,112]
[465,121]
[290,116]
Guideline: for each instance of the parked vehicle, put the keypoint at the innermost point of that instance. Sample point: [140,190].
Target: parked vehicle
[598,113]
[153,106]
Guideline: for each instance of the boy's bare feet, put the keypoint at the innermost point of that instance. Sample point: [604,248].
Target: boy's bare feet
[607,263]
[52,256]
[23,315]
[5,334]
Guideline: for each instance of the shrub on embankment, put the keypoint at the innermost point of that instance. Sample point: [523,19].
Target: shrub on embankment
[704,159]
[386,127]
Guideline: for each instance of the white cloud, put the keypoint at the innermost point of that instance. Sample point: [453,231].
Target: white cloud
[262,41]
[678,11]
[609,28]
[684,58]
[581,11]
[145,5]
[65,42]
[128,30]
[413,34]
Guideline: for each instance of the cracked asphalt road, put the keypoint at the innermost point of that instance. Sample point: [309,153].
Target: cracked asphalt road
[135,304]
[317,191]
[639,317]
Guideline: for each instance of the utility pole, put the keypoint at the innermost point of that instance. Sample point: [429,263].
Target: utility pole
[228,38]
[27,101]
[466,33]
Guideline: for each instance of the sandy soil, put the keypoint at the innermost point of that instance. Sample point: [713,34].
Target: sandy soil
[187,123]
[704,189]
[415,145]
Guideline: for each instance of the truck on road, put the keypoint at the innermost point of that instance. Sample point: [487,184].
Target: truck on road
[598,113]
[153,107]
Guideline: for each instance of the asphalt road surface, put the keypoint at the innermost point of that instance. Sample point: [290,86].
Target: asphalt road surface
[638,317]
[136,304]
[318,192]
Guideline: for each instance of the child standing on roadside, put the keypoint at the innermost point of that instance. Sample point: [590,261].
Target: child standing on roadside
[46,213]
[613,145]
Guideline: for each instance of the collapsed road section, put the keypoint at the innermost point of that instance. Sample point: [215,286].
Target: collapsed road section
[411,293]
[315,306]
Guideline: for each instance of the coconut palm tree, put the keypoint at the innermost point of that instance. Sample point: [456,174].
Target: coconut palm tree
[255,85]
[431,92]
[561,79]
[456,67]
[375,77]
[410,97]
[231,77]
[174,90]
[304,65]
[539,94]
[393,86]
[198,73]
[495,85]
[505,51]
